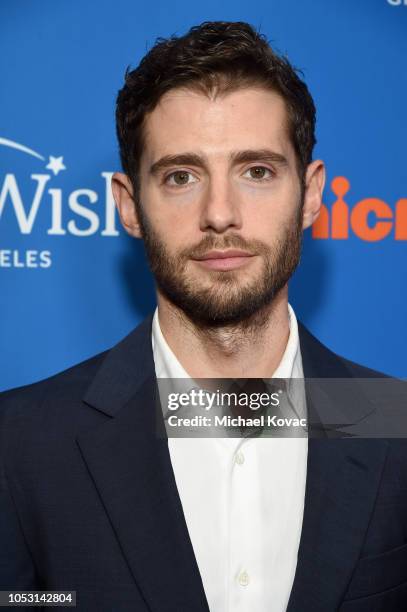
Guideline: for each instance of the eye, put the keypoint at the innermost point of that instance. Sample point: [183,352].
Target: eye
[179,178]
[259,173]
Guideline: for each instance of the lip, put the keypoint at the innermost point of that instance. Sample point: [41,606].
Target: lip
[224,260]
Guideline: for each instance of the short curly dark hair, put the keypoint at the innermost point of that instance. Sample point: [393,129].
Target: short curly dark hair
[214,56]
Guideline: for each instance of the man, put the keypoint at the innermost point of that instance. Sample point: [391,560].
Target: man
[216,134]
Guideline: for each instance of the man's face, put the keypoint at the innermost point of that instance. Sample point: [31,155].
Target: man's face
[220,202]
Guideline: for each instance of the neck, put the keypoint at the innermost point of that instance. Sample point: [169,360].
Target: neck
[250,349]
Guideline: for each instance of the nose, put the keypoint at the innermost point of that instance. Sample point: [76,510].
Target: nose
[220,207]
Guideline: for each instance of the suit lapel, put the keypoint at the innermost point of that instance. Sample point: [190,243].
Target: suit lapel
[343,476]
[131,469]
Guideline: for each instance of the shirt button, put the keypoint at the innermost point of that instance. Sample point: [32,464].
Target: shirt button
[243,579]
[239,458]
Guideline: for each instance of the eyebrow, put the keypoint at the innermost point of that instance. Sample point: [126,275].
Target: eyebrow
[237,157]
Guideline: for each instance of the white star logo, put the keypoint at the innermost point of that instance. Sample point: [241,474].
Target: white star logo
[56,164]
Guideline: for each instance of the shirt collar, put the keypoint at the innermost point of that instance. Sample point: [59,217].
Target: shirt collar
[168,366]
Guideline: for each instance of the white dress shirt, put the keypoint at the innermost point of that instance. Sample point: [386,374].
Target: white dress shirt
[243,500]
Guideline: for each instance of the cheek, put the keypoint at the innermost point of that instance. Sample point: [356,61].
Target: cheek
[173,207]
[264,214]
[174,235]
[280,195]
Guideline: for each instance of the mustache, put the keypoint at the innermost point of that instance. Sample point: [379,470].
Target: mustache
[231,241]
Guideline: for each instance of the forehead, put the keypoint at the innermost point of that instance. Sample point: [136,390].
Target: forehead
[188,120]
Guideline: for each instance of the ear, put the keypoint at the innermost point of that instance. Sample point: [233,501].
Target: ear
[314,187]
[123,195]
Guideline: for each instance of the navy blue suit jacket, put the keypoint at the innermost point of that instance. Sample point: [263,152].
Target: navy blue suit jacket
[88,499]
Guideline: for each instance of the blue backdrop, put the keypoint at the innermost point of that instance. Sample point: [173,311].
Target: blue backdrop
[73,283]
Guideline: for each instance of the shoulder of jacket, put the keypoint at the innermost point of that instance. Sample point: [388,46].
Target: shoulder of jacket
[70,382]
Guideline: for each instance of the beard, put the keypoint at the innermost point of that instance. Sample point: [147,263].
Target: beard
[223,298]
